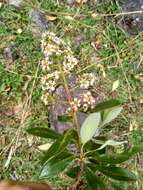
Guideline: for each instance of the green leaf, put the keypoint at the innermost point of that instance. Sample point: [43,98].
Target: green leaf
[94,144]
[117,173]
[43,132]
[90,127]
[119,158]
[94,182]
[115,85]
[114,158]
[67,138]
[106,105]
[54,148]
[137,149]
[56,164]
[118,185]
[111,143]
[73,171]
[111,114]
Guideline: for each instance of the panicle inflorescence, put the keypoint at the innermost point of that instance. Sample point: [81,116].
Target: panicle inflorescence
[58,57]
[55,52]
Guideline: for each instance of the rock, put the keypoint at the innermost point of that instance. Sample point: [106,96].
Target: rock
[2,21]
[6,117]
[15,3]
[133,23]
[60,107]
[78,40]
[10,54]
[71,2]
[39,22]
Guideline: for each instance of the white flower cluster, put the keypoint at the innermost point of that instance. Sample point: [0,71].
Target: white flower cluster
[69,63]
[58,56]
[86,80]
[53,47]
[75,104]
[85,102]
[55,52]
[88,101]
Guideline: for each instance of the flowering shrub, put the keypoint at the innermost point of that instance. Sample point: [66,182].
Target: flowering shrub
[92,163]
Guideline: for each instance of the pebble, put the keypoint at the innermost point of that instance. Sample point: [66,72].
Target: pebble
[10,54]
[39,22]
[15,3]
[70,2]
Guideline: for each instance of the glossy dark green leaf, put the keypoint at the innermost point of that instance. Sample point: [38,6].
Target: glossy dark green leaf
[60,145]
[69,137]
[106,105]
[117,173]
[56,164]
[119,158]
[43,132]
[94,182]
[54,148]
[73,171]
[93,154]
[94,144]
[115,158]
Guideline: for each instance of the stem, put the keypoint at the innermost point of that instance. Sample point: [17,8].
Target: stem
[73,112]
[77,181]
[76,126]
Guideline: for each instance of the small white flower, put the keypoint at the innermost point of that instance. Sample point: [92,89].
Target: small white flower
[86,80]
[44,98]
[88,101]
[19,31]
[45,65]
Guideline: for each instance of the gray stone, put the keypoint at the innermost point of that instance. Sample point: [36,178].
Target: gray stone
[15,3]
[133,23]
[60,106]
[78,40]
[10,54]
[39,22]
[2,21]
[71,2]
